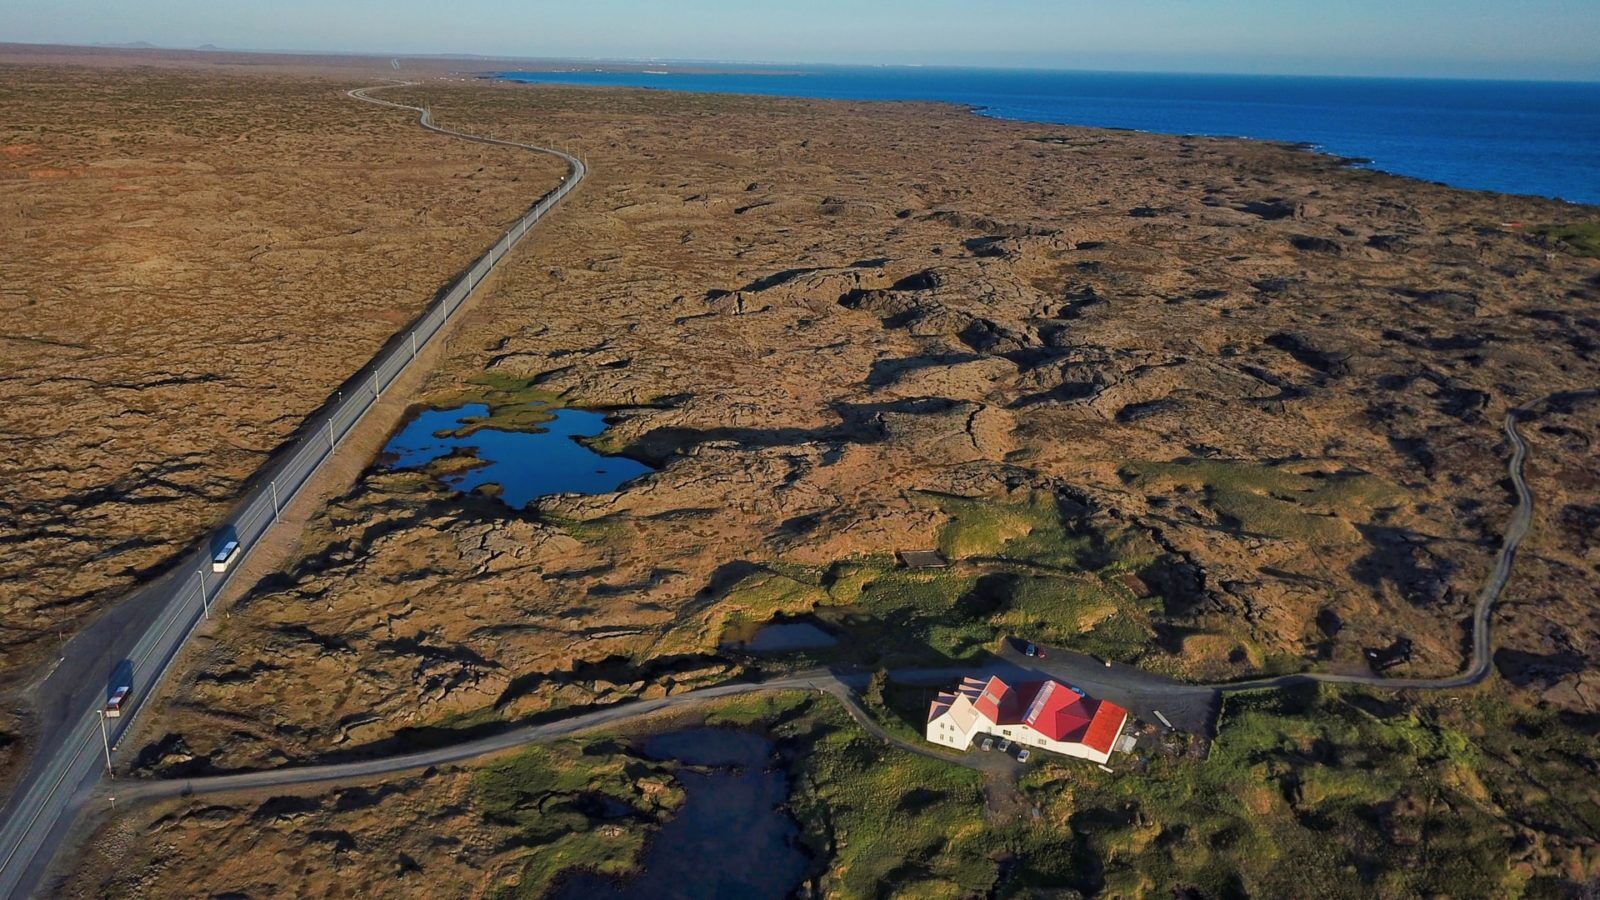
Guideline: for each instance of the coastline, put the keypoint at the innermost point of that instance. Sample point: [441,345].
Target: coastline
[1368,159]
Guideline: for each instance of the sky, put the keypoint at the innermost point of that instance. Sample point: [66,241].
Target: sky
[1547,39]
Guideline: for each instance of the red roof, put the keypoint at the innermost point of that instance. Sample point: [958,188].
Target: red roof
[1058,712]
[999,703]
[1105,727]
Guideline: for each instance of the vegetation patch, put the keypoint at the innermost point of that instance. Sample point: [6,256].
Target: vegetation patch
[1300,502]
[1359,794]
[1581,239]
[515,403]
[1030,569]
[1310,787]
[575,805]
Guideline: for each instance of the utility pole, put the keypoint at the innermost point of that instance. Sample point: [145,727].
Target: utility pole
[205,602]
[105,741]
[274,486]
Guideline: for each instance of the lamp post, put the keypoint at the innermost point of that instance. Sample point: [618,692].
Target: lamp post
[105,741]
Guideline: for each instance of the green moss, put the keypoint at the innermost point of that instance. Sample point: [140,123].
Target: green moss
[1021,568]
[541,795]
[515,403]
[1582,238]
[1293,503]
[1361,805]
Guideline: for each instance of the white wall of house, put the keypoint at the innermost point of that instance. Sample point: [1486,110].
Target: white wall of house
[944,729]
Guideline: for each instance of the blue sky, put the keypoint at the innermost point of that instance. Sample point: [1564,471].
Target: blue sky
[1557,39]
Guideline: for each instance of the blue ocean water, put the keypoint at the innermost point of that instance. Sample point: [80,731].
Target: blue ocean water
[1516,137]
[525,465]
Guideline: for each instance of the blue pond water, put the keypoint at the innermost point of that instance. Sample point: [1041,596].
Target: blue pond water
[1512,136]
[731,839]
[525,465]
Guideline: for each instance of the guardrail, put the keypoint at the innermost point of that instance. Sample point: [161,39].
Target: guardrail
[329,425]
[41,812]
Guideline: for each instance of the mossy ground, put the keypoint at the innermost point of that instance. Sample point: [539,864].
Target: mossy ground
[548,796]
[1361,795]
[1582,238]
[1301,503]
[1018,568]
[515,403]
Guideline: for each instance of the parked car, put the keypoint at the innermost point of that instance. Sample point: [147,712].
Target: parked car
[988,744]
[1005,745]
[1023,754]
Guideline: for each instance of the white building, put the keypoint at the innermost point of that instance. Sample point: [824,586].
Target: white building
[1044,714]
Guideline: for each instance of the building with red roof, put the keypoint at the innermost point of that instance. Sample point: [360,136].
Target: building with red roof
[1044,714]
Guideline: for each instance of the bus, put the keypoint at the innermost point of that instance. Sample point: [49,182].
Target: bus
[114,705]
[224,557]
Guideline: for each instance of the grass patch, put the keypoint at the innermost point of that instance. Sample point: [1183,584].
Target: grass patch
[575,804]
[515,404]
[1301,788]
[1344,793]
[1290,502]
[1581,239]
[1034,532]
[1021,568]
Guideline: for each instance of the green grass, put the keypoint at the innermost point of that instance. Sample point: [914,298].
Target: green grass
[515,403]
[1033,532]
[541,794]
[1302,789]
[1293,503]
[1029,571]
[1582,238]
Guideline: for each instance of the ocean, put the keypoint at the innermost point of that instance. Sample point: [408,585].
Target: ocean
[1518,137]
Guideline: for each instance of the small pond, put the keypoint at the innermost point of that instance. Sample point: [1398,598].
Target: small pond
[729,839]
[524,464]
[785,637]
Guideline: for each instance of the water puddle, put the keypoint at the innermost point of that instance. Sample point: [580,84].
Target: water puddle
[524,465]
[730,838]
[786,637]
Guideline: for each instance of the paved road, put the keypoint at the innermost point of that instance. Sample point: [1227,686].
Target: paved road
[815,680]
[142,634]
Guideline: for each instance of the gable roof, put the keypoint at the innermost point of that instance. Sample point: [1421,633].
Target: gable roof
[1106,725]
[999,702]
[1058,712]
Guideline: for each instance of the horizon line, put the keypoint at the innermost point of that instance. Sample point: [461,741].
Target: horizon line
[138,45]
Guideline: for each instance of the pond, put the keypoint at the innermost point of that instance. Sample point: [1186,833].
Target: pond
[784,637]
[730,839]
[524,465]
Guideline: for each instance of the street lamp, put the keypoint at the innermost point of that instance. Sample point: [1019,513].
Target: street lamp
[105,740]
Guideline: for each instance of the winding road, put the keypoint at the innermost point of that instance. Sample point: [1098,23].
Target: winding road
[1482,650]
[136,641]
[1188,706]
[1191,707]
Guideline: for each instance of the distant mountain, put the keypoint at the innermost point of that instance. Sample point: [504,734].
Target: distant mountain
[130,45]
[208,47]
